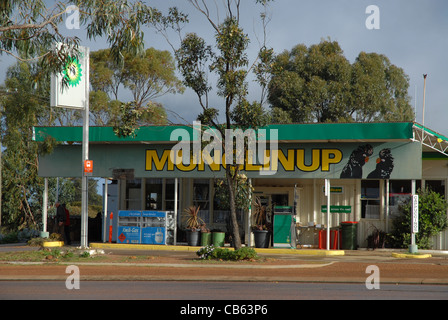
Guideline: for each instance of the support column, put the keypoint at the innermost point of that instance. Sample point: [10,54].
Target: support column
[176,180]
[248,222]
[328,193]
[44,233]
[387,209]
[315,205]
[105,199]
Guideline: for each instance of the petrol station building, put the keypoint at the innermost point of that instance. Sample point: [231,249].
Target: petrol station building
[372,169]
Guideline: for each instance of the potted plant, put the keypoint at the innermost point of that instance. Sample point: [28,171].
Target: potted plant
[206,235]
[194,223]
[377,239]
[259,227]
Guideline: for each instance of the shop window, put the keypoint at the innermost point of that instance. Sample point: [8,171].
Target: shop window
[201,198]
[169,195]
[400,192]
[436,186]
[133,200]
[279,200]
[153,194]
[370,199]
[400,186]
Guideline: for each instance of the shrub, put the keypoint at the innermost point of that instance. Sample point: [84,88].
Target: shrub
[432,220]
[27,234]
[10,238]
[85,254]
[212,253]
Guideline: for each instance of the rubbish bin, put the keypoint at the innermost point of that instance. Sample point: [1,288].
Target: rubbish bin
[206,238]
[334,239]
[218,239]
[349,235]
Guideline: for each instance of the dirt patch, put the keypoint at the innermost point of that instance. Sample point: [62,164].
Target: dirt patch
[156,268]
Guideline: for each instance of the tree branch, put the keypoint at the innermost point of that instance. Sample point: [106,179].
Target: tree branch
[21,59]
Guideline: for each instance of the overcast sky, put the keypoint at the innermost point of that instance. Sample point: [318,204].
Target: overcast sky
[413,34]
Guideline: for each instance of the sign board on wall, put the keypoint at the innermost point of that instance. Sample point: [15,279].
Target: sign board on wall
[402,161]
[334,190]
[337,209]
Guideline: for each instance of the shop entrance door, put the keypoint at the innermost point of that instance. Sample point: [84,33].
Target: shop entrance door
[269,201]
[278,200]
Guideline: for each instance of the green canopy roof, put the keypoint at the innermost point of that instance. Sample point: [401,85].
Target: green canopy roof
[286,132]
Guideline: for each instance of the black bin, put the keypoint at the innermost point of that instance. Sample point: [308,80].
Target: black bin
[349,235]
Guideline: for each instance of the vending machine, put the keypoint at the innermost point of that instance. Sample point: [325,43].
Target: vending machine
[154,227]
[129,230]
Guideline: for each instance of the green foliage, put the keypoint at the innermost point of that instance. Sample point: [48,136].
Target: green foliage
[11,237]
[243,191]
[193,57]
[432,220]
[52,254]
[29,32]
[379,90]
[147,76]
[231,61]
[85,254]
[23,100]
[23,105]
[131,116]
[30,29]
[150,76]
[249,115]
[318,84]
[126,122]
[193,220]
[212,253]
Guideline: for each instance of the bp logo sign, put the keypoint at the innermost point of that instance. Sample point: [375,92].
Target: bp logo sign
[72,72]
[69,88]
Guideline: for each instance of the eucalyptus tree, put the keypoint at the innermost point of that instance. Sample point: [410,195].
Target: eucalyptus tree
[145,77]
[226,59]
[319,84]
[30,31]
[24,104]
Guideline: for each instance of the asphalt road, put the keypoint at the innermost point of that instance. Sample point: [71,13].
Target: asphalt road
[317,278]
[211,291]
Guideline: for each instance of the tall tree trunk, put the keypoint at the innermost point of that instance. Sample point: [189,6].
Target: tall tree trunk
[233,219]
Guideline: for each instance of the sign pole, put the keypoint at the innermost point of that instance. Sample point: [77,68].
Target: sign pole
[327,193]
[76,96]
[85,157]
[176,185]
